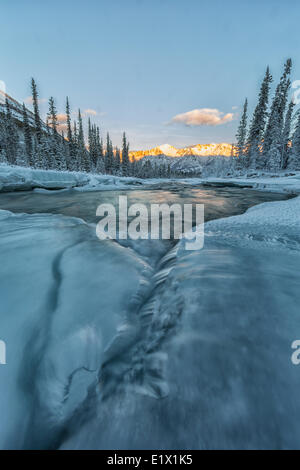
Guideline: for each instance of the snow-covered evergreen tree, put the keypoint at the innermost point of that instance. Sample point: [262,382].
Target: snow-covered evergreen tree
[132,167]
[117,160]
[11,136]
[52,116]
[38,154]
[273,139]
[57,149]
[75,134]
[293,162]
[82,154]
[93,144]
[125,156]
[2,138]
[258,123]
[35,103]
[69,127]
[70,147]
[27,136]
[62,152]
[109,156]
[241,136]
[286,135]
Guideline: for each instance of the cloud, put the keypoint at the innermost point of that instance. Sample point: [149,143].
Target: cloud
[89,111]
[29,100]
[203,117]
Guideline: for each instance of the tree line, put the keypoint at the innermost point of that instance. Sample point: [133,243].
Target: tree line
[272,140]
[30,142]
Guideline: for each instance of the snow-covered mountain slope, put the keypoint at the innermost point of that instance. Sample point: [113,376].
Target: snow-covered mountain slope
[167,149]
[199,149]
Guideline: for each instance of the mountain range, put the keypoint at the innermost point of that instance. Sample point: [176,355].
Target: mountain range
[200,150]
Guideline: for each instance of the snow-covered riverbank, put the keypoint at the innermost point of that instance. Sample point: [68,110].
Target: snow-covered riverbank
[24,179]
[288,183]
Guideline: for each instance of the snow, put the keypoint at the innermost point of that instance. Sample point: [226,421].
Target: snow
[271,224]
[23,179]
[169,150]
[284,182]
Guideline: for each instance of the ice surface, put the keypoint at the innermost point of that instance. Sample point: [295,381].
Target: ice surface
[64,294]
[216,351]
[105,351]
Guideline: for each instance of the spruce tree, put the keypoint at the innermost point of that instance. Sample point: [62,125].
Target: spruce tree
[75,134]
[2,137]
[241,135]
[258,124]
[54,139]
[125,156]
[83,157]
[92,139]
[11,136]
[45,148]
[27,136]
[293,162]
[99,144]
[100,164]
[37,120]
[70,147]
[38,157]
[117,160]
[286,135]
[69,128]
[52,116]
[273,138]
[62,152]
[108,155]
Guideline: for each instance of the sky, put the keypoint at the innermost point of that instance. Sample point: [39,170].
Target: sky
[163,71]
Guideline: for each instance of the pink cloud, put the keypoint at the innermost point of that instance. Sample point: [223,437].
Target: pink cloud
[28,100]
[203,117]
[89,111]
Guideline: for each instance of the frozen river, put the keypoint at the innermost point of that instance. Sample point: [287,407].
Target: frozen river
[144,344]
[219,202]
